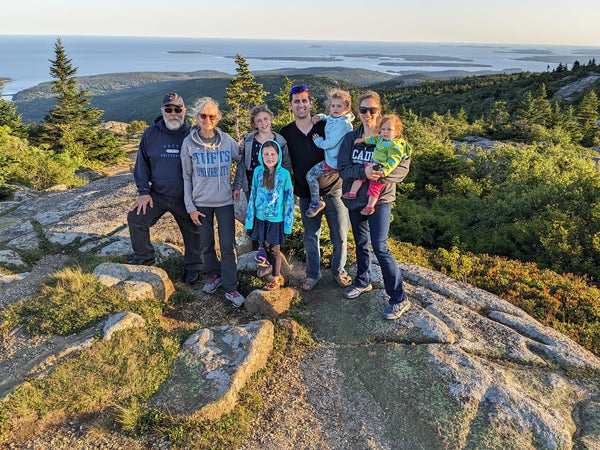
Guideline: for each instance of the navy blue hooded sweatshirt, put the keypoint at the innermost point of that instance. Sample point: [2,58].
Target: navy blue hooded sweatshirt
[158,163]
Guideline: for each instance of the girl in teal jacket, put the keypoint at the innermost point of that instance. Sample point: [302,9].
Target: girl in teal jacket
[270,213]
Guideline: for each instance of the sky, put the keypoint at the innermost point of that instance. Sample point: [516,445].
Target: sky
[556,22]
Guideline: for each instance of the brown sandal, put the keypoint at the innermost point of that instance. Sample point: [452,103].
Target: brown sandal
[274,284]
[343,279]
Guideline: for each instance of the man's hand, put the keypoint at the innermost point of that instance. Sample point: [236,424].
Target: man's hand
[141,203]
[195,216]
[236,195]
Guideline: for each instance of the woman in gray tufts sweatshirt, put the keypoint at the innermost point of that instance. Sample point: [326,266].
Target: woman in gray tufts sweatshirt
[206,157]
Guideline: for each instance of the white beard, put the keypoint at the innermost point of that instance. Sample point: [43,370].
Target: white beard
[173,123]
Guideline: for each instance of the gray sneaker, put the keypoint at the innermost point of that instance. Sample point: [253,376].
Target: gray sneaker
[355,291]
[236,298]
[395,310]
[212,285]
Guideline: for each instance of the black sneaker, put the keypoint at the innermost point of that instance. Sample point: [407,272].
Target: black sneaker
[190,276]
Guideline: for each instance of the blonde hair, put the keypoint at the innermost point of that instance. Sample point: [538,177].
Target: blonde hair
[341,94]
[395,122]
[256,110]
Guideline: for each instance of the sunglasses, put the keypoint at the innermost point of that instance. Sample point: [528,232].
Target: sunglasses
[364,110]
[170,110]
[207,116]
[298,89]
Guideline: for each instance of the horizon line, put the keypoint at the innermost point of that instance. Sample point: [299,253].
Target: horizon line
[597,46]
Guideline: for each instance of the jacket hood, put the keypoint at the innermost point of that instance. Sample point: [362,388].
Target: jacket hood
[260,160]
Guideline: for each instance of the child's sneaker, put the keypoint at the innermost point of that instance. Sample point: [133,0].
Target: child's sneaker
[367,210]
[236,298]
[212,285]
[315,208]
[349,195]
[261,256]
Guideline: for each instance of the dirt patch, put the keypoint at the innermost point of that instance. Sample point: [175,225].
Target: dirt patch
[26,287]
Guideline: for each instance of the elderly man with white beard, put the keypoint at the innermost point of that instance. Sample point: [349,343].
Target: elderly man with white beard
[159,181]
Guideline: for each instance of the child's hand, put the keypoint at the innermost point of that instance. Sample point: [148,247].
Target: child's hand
[315,136]
[359,141]
[315,119]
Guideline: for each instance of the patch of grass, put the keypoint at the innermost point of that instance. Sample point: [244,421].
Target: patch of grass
[229,430]
[125,370]
[71,301]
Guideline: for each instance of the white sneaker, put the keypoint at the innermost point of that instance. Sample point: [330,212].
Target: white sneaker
[212,285]
[236,298]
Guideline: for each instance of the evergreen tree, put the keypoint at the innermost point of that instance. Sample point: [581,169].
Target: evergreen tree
[73,128]
[283,114]
[587,114]
[10,119]
[242,94]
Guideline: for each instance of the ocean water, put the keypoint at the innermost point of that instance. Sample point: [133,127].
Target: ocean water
[25,59]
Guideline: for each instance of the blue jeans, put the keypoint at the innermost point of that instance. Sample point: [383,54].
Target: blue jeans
[336,215]
[373,230]
[139,231]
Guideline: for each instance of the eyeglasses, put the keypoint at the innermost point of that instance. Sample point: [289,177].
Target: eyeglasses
[363,110]
[207,116]
[298,89]
[170,110]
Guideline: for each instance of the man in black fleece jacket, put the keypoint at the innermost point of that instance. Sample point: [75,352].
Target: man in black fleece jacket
[159,181]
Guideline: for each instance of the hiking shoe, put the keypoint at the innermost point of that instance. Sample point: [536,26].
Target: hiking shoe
[190,276]
[261,256]
[315,208]
[355,291]
[236,298]
[213,283]
[393,311]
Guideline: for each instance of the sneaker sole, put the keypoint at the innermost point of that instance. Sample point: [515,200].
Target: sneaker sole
[367,289]
[206,291]
[234,303]
[399,313]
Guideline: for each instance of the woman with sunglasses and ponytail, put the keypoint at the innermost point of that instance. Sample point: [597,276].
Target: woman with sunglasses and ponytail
[206,157]
[355,162]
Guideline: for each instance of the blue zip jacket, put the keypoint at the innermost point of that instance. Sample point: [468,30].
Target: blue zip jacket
[335,130]
[158,162]
[271,206]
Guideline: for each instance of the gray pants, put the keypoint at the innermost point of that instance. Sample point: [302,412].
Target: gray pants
[139,231]
[312,178]
[226,268]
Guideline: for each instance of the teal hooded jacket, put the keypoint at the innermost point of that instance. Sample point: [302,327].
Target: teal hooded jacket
[275,205]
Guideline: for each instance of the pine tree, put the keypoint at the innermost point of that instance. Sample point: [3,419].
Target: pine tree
[283,115]
[242,94]
[10,119]
[587,115]
[72,127]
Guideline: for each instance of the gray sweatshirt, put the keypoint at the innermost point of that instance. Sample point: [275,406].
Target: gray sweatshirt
[207,170]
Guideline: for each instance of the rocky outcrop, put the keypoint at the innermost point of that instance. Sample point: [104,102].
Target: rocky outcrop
[568,90]
[270,303]
[210,369]
[462,368]
[136,282]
